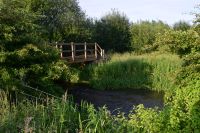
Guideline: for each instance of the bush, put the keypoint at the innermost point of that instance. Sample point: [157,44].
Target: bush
[36,66]
[143,35]
[179,42]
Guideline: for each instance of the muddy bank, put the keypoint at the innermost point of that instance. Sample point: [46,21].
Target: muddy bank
[122,100]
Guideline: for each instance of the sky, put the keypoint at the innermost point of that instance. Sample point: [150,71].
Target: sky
[169,11]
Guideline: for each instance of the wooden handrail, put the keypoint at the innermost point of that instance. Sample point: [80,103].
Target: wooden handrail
[81,51]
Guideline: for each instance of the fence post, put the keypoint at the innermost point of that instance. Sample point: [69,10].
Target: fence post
[85,50]
[61,50]
[73,49]
[95,50]
[56,45]
[103,54]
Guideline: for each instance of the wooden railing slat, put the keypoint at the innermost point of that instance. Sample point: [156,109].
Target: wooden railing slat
[85,51]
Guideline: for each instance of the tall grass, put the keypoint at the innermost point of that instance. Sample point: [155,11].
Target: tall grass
[54,116]
[128,71]
[63,116]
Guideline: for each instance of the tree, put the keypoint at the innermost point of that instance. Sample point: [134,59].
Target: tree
[143,34]
[61,19]
[17,23]
[197,19]
[179,42]
[181,25]
[112,32]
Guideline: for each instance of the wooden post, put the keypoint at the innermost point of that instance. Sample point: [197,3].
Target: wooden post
[85,50]
[95,50]
[103,54]
[56,45]
[61,51]
[72,48]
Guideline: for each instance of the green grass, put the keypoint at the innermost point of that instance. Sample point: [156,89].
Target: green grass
[53,116]
[128,71]
[60,116]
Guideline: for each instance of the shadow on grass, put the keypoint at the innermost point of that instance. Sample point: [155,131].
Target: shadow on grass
[128,74]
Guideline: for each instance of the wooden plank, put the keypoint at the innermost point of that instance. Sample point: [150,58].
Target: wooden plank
[66,51]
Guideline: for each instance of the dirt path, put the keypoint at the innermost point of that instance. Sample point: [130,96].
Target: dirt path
[122,100]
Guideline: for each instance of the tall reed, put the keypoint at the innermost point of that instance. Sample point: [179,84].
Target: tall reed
[128,71]
[53,116]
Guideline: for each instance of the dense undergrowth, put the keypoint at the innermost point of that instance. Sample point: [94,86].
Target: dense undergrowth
[180,114]
[38,66]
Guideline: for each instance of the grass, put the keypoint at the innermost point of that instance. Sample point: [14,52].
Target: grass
[52,116]
[63,116]
[157,71]
[128,71]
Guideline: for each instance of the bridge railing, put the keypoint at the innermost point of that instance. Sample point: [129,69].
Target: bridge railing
[80,52]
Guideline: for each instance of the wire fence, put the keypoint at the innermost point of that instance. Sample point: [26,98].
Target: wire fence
[48,95]
[43,92]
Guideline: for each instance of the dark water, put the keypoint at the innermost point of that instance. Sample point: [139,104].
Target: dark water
[121,100]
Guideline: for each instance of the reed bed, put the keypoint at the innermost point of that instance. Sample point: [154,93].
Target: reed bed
[154,71]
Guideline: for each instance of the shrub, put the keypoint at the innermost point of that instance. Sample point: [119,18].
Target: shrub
[36,66]
[179,42]
[143,35]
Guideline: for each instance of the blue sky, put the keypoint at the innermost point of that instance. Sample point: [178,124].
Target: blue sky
[169,11]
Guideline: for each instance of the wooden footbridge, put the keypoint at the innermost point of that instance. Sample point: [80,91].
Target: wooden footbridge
[81,52]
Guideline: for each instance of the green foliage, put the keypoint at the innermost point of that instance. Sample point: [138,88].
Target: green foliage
[190,72]
[146,120]
[181,25]
[184,109]
[37,66]
[62,20]
[56,116]
[112,32]
[17,23]
[36,21]
[33,21]
[180,115]
[179,42]
[197,18]
[143,34]
[128,71]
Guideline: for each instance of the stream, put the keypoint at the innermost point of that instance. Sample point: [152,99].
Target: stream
[118,100]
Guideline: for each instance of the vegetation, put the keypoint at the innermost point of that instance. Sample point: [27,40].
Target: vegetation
[112,32]
[143,34]
[179,115]
[181,25]
[159,58]
[125,71]
[179,42]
